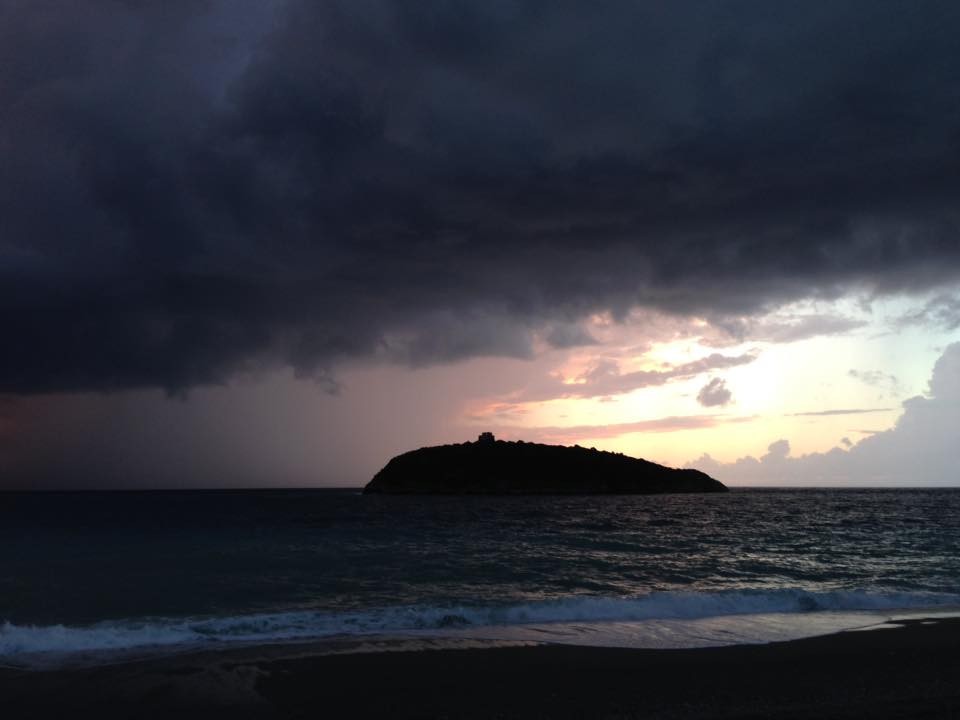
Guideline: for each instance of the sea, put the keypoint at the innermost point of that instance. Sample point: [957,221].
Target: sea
[96,576]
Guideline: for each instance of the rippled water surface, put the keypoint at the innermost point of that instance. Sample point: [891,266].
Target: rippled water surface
[335,560]
[95,556]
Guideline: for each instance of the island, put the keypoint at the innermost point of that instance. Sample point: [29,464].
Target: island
[495,467]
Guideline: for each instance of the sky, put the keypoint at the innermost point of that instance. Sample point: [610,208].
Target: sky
[276,242]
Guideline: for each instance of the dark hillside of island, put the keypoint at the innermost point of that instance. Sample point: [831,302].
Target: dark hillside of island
[495,467]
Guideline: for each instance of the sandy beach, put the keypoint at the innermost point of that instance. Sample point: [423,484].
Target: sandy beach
[908,669]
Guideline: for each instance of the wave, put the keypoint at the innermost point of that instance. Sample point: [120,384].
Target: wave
[159,633]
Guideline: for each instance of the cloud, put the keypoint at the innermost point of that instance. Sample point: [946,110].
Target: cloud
[782,329]
[604,378]
[843,411]
[887,382]
[569,335]
[919,450]
[191,191]
[942,311]
[579,433]
[714,394]
[777,451]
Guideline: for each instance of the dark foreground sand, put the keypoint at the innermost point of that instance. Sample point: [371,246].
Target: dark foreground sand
[911,670]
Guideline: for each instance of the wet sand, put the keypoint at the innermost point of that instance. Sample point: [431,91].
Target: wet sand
[909,669]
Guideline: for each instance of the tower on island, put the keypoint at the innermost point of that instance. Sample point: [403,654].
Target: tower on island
[486,438]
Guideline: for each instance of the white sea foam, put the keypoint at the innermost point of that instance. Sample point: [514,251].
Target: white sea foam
[662,613]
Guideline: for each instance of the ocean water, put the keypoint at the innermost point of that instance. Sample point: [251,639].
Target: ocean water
[96,573]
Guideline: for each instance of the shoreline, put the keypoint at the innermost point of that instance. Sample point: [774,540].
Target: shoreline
[664,633]
[903,668]
[656,620]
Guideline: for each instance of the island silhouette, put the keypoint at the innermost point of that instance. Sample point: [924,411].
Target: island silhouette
[496,467]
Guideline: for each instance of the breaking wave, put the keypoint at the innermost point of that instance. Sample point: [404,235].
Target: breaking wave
[166,633]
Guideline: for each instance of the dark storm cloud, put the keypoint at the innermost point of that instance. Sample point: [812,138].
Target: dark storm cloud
[569,335]
[189,190]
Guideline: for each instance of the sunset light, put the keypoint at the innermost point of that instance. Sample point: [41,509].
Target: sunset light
[479,359]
